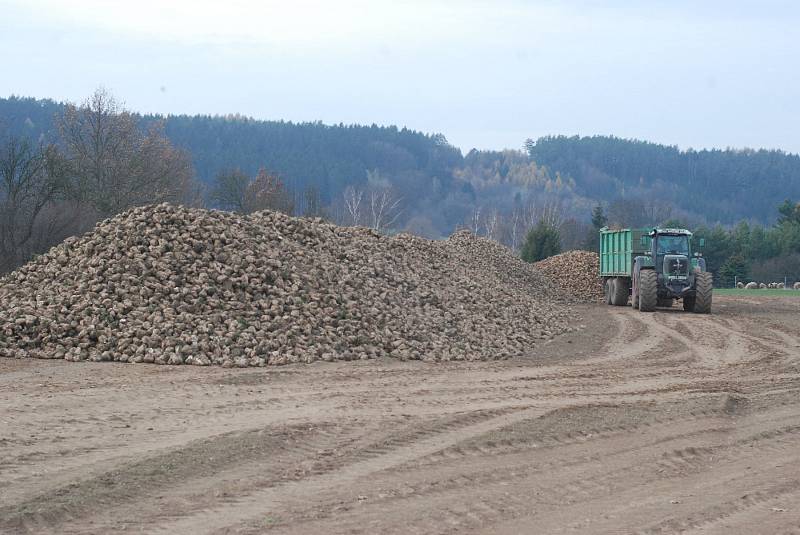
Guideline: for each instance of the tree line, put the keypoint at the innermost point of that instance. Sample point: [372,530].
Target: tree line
[752,252]
[441,187]
[65,166]
[705,186]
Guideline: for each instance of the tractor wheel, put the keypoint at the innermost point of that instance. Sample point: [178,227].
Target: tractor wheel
[688,303]
[703,284]
[665,303]
[620,297]
[648,290]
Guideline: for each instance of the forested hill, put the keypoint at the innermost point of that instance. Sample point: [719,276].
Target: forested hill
[639,182]
[330,157]
[719,185]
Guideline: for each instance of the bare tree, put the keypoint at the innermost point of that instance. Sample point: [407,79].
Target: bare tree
[229,189]
[267,192]
[384,208]
[492,224]
[515,224]
[236,191]
[549,211]
[28,183]
[627,213]
[114,165]
[475,220]
[352,203]
[657,211]
[312,203]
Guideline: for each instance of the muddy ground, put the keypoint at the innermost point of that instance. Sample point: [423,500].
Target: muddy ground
[640,423]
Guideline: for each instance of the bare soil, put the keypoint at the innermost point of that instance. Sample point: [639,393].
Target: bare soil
[638,423]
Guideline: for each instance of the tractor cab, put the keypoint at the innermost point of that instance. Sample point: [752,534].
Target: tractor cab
[671,253]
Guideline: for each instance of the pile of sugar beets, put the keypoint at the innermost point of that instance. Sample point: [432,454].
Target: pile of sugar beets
[174,285]
[575,272]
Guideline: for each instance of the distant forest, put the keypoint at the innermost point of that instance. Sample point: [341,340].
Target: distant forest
[438,182]
[396,179]
[712,185]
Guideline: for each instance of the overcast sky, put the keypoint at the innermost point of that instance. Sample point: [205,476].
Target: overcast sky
[485,74]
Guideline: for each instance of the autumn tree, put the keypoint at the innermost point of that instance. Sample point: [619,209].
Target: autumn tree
[113,164]
[236,191]
[267,192]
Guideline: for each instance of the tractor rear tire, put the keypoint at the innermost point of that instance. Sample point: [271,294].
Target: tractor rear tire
[703,284]
[620,295]
[648,290]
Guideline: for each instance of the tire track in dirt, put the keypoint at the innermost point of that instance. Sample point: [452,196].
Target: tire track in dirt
[70,458]
[251,505]
[775,513]
[633,338]
[548,430]
[180,485]
[479,494]
[152,474]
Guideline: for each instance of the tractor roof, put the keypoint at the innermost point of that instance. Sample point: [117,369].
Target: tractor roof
[673,231]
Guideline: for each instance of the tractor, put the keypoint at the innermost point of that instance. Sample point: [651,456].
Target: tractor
[654,268]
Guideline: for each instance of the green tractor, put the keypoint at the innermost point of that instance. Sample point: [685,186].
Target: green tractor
[654,268]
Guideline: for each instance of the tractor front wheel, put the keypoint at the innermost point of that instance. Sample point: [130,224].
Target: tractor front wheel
[703,284]
[648,290]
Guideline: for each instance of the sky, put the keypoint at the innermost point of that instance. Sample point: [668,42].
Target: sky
[486,74]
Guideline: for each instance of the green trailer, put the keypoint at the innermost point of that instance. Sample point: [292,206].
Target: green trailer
[654,267]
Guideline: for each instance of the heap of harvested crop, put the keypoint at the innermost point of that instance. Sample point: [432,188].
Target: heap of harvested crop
[575,272]
[174,285]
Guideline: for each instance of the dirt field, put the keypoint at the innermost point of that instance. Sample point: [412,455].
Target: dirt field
[640,423]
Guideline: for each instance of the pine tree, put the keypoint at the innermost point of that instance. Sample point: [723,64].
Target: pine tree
[542,241]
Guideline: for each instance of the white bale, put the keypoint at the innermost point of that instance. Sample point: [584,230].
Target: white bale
[762,286]
[751,286]
[740,285]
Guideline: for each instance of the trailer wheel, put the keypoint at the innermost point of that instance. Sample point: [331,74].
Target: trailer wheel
[648,290]
[620,297]
[607,291]
[703,289]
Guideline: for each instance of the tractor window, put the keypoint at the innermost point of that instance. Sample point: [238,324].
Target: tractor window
[673,245]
